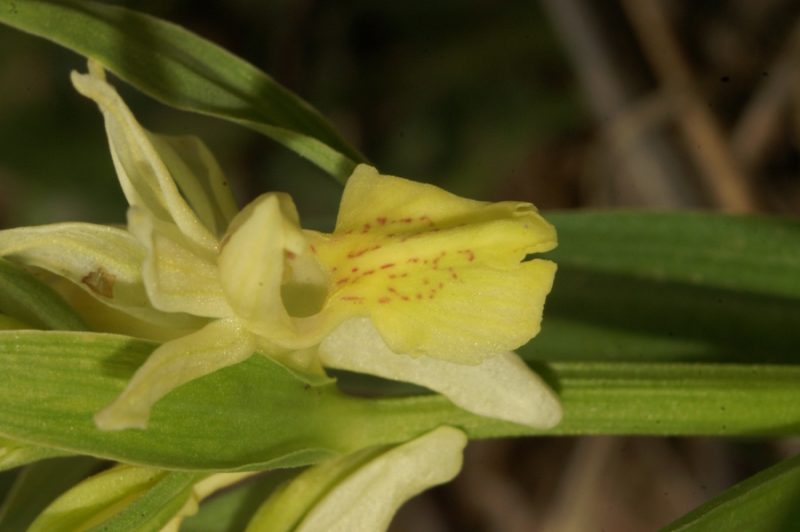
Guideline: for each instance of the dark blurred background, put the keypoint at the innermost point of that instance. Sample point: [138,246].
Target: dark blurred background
[566,103]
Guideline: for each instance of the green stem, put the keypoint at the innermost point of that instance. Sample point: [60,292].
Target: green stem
[620,398]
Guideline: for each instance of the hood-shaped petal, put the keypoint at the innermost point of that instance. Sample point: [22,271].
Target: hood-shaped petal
[501,386]
[264,250]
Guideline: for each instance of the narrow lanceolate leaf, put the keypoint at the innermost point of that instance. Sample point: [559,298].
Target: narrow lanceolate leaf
[765,502]
[697,249]
[140,498]
[24,297]
[185,71]
[231,510]
[14,454]
[256,415]
[40,484]
[153,510]
[672,287]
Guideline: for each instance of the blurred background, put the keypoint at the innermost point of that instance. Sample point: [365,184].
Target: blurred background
[569,104]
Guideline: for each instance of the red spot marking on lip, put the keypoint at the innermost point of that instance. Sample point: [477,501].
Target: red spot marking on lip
[343,280]
[413,260]
[384,300]
[393,276]
[419,296]
[352,298]
[366,228]
[313,248]
[353,254]
[404,298]
[406,220]
[381,220]
[454,275]
[368,272]
[334,268]
[289,255]
[354,270]
[392,290]
[469,254]
[387,265]
[426,218]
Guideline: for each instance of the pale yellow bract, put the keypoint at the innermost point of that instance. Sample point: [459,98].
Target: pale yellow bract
[414,284]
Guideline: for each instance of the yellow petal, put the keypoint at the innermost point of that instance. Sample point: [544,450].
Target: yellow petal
[179,277]
[145,179]
[439,275]
[219,344]
[101,259]
[199,178]
[151,325]
[263,250]
[362,492]
[501,387]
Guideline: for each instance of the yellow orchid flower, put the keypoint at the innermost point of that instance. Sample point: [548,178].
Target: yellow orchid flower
[414,283]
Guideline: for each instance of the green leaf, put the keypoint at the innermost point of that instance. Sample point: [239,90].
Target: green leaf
[39,484]
[255,415]
[757,255]
[14,454]
[155,508]
[231,510]
[124,496]
[672,287]
[185,71]
[766,502]
[24,297]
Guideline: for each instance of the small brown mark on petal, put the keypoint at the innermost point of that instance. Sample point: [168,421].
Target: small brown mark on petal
[100,281]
